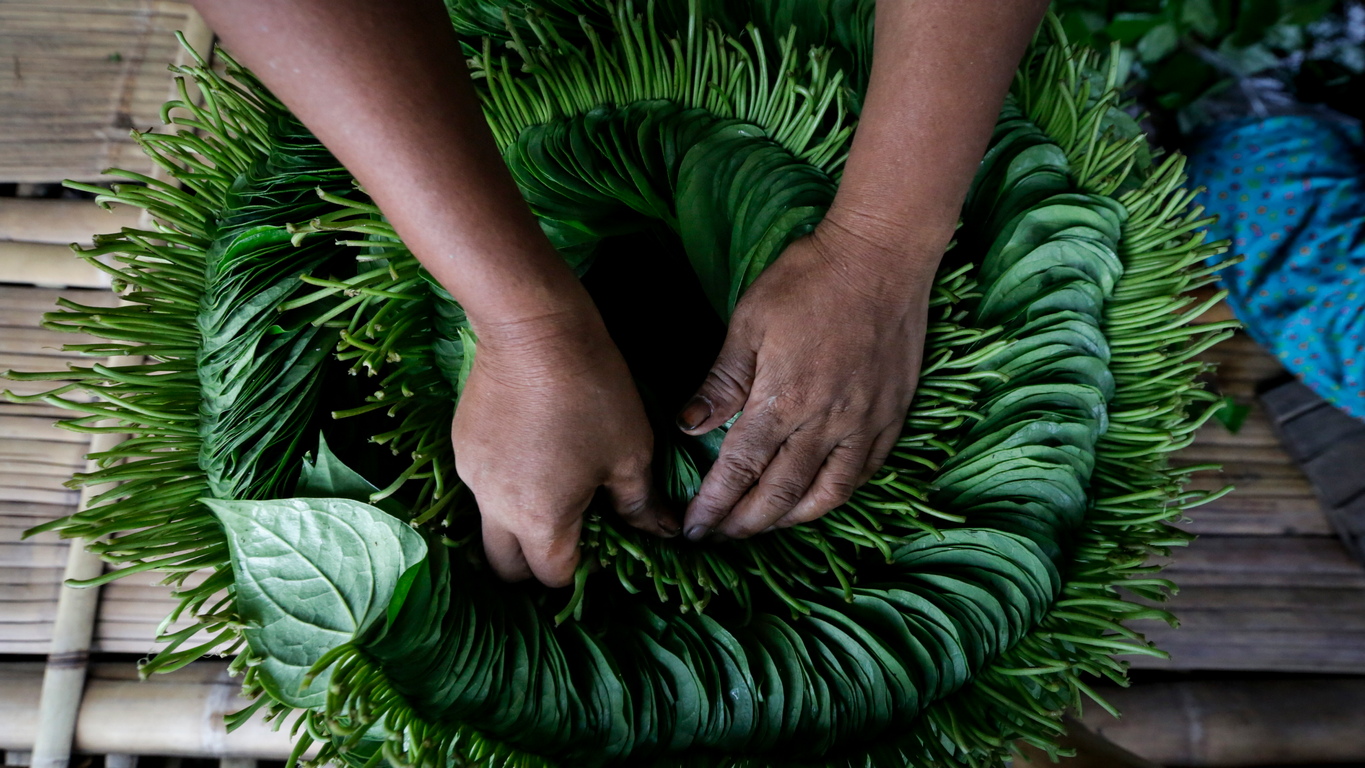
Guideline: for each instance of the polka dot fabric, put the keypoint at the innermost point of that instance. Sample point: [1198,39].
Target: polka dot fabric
[1290,195]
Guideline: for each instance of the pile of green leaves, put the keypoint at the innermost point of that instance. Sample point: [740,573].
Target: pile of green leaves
[949,608]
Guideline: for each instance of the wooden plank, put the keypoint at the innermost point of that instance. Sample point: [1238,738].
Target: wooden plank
[1254,432]
[70,455]
[24,516]
[48,413]
[1279,652]
[25,648]
[20,360]
[1230,454]
[1239,598]
[1241,359]
[33,428]
[46,264]
[1237,722]
[1257,481]
[16,593]
[84,71]
[141,633]
[14,534]
[1240,620]
[1257,556]
[29,388]
[28,612]
[39,341]
[1242,515]
[40,495]
[40,300]
[60,221]
[9,478]
[33,555]
[15,575]
[29,632]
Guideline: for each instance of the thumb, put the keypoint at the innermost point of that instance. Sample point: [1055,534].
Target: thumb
[724,392]
[639,503]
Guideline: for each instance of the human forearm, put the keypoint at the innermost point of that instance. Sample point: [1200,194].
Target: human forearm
[548,414]
[384,87]
[941,69]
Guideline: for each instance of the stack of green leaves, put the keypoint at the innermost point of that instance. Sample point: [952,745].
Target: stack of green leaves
[949,608]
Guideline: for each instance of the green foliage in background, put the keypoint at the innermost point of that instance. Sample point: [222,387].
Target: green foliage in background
[1185,49]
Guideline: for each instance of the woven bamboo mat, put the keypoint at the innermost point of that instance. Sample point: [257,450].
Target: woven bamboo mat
[35,460]
[75,77]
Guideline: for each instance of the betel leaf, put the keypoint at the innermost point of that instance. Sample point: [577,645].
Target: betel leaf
[328,477]
[311,574]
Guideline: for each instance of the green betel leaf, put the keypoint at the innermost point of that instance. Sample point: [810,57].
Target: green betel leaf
[328,477]
[312,574]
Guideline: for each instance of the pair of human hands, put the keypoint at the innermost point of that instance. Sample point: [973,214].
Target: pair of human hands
[822,356]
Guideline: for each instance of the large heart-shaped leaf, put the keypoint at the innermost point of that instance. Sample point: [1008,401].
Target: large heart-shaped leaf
[312,574]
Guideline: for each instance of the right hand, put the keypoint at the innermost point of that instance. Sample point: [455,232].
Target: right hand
[548,415]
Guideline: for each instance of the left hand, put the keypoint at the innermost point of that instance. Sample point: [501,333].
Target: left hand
[822,356]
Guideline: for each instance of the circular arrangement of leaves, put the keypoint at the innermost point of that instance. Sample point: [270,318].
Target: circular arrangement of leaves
[949,608]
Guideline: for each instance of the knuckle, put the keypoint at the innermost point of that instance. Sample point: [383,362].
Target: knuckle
[739,472]
[784,494]
[553,567]
[833,494]
[632,507]
[842,405]
[635,465]
[789,400]
[721,381]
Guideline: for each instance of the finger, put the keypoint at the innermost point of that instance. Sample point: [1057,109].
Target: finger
[783,484]
[503,551]
[881,449]
[744,454]
[834,484]
[551,551]
[723,393]
[639,503]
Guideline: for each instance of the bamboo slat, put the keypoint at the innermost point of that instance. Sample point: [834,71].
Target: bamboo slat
[177,714]
[24,428]
[35,462]
[33,301]
[47,264]
[1239,515]
[1239,722]
[77,78]
[59,222]
[73,628]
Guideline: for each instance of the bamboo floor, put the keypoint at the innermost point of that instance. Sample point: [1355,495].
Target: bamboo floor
[77,76]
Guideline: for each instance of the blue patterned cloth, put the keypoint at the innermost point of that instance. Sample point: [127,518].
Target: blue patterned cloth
[1290,195]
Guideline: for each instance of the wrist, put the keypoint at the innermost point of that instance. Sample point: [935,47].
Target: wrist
[881,262]
[541,346]
[914,244]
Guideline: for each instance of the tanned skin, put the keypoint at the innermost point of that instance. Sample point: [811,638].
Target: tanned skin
[823,351]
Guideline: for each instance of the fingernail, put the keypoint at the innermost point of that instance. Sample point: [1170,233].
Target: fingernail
[770,529]
[669,527]
[694,413]
[697,532]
